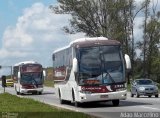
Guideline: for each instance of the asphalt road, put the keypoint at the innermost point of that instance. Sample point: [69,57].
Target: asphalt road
[132,107]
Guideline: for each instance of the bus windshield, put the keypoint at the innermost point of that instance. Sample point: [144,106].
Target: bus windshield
[31,78]
[100,65]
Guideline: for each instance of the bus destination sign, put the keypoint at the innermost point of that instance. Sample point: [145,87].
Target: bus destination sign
[31,68]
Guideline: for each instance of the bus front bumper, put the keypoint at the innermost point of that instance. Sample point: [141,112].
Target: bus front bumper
[31,90]
[120,95]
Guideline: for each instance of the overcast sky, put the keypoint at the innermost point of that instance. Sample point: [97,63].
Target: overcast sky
[29,31]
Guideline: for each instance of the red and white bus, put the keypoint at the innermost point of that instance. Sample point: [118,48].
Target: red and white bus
[28,77]
[91,69]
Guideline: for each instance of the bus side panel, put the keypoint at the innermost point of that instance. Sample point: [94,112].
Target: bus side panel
[63,73]
[71,86]
[66,87]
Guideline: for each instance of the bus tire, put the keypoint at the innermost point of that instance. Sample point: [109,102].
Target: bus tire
[16,90]
[21,93]
[76,104]
[60,99]
[39,93]
[115,102]
[18,93]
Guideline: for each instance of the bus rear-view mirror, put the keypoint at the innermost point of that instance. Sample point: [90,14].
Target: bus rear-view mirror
[75,65]
[44,73]
[19,75]
[128,62]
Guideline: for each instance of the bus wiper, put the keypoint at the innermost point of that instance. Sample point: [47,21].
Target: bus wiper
[35,82]
[103,66]
[109,76]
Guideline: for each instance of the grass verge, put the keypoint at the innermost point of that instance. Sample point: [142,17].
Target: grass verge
[29,108]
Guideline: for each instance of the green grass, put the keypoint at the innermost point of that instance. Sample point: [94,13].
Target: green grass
[49,82]
[29,108]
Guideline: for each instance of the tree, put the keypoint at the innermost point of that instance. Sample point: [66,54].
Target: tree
[151,42]
[146,12]
[98,18]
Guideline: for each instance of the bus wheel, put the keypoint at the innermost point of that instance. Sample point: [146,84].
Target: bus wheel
[18,93]
[60,99]
[76,104]
[39,93]
[21,93]
[115,102]
[16,90]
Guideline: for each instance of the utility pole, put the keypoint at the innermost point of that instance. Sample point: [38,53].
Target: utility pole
[4,77]
[3,82]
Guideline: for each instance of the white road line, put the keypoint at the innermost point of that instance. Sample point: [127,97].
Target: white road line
[64,107]
[150,108]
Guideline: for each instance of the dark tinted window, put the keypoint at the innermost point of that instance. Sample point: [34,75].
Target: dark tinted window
[144,82]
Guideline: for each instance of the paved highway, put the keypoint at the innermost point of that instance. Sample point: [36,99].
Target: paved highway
[104,109]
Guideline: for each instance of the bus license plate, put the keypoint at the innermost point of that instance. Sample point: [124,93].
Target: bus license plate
[104,96]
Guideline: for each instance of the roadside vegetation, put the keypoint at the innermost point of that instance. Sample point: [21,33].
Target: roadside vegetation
[158,86]
[49,83]
[28,108]
[49,80]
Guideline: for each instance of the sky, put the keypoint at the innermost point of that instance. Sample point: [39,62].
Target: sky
[30,31]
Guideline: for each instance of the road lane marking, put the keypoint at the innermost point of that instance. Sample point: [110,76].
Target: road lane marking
[62,106]
[151,108]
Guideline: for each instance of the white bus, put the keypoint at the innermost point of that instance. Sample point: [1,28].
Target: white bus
[91,69]
[28,77]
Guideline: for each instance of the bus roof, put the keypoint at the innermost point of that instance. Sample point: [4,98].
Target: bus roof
[26,62]
[88,39]
[83,41]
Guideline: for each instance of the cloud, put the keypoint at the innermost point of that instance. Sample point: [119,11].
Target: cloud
[14,37]
[36,25]
[35,35]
